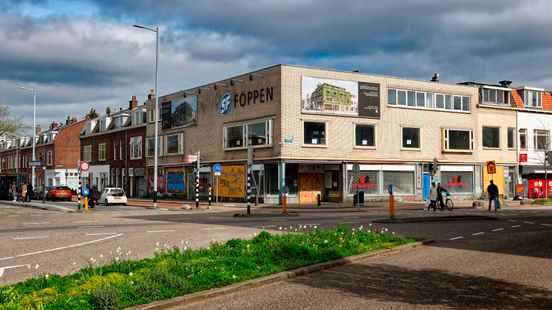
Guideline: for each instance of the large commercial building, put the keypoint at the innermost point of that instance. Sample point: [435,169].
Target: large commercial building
[312,128]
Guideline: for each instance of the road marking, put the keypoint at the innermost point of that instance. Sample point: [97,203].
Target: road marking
[2,269]
[215,228]
[30,238]
[478,233]
[76,245]
[93,226]
[101,234]
[516,226]
[498,229]
[527,222]
[36,223]
[456,238]
[85,222]
[160,231]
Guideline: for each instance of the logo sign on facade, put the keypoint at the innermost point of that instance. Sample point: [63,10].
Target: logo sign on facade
[522,158]
[35,163]
[369,99]
[225,101]
[491,167]
[83,166]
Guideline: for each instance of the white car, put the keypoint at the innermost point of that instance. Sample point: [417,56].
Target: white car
[113,195]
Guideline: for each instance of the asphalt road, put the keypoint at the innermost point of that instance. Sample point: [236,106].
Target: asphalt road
[34,242]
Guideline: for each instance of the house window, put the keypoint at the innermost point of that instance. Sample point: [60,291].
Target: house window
[495,96]
[523,138]
[401,95]
[234,137]
[541,139]
[402,181]
[448,102]
[457,140]
[532,99]
[102,152]
[420,99]
[135,148]
[257,133]
[457,102]
[114,151]
[365,135]
[439,101]
[491,137]
[87,152]
[314,133]
[173,144]
[49,158]
[411,98]
[411,137]
[511,139]
[151,114]
[465,103]
[392,96]
[150,146]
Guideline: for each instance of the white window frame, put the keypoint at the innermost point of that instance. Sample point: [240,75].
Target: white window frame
[445,134]
[370,147]
[87,152]
[180,141]
[406,148]
[245,139]
[326,137]
[102,156]
[430,100]
[135,140]
[483,138]
[535,136]
[151,115]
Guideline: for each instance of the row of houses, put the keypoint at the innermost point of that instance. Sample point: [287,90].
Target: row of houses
[315,133]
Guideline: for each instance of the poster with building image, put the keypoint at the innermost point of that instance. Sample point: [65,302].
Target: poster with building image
[329,96]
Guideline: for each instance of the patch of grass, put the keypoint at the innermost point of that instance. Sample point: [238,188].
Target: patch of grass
[542,201]
[177,272]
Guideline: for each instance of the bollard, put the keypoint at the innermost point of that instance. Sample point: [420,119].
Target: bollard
[318,202]
[391,206]
[284,205]
[86,204]
[210,194]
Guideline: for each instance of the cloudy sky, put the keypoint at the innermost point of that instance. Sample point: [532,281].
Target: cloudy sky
[82,54]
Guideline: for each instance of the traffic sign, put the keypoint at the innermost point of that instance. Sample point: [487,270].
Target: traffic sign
[85,191]
[83,165]
[217,168]
[491,167]
[35,163]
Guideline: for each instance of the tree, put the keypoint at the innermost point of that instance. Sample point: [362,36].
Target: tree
[107,111]
[8,125]
[91,114]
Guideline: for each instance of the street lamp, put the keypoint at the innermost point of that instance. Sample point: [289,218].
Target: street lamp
[156,155]
[33,90]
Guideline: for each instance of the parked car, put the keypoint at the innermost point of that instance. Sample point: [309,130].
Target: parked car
[59,193]
[113,195]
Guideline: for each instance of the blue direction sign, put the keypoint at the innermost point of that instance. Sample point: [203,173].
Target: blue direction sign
[217,168]
[85,191]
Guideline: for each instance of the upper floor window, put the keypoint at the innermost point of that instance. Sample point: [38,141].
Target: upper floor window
[102,152]
[256,133]
[491,137]
[410,138]
[532,99]
[174,144]
[136,148]
[49,158]
[541,139]
[511,137]
[457,140]
[495,96]
[523,138]
[365,135]
[87,152]
[314,133]
[428,100]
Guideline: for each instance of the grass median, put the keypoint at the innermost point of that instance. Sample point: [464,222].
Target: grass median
[178,271]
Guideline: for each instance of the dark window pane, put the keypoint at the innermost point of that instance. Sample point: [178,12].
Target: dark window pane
[365,135]
[523,138]
[439,101]
[402,97]
[491,137]
[411,99]
[411,137]
[172,144]
[420,99]
[465,103]
[511,136]
[392,96]
[457,103]
[448,102]
[234,136]
[257,133]
[459,140]
[315,133]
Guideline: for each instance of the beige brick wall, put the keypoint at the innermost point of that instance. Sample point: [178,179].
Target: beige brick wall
[502,118]
[340,130]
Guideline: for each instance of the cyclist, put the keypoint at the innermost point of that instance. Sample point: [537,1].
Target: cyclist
[432,198]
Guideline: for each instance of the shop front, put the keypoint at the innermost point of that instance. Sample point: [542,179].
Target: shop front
[374,180]
[459,180]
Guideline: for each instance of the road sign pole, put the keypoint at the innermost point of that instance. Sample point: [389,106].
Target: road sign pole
[197,180]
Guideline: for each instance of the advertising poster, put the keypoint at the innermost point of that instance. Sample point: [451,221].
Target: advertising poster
[175,182]
[329,96]
[232,182]
[369,100]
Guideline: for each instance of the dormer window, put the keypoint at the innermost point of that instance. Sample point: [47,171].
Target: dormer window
[495,95]
[532,98]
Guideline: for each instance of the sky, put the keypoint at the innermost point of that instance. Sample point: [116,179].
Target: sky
[86,54]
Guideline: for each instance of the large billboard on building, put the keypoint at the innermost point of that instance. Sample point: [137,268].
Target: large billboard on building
[232,182]
[369,99]
[329,96]
[178,112]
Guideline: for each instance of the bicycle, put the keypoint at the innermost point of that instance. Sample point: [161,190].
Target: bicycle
[449,204]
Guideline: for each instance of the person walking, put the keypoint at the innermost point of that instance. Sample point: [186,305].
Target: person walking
[432,198]
[30,192]
[13,191]
[440,190]
[492,191]
[24,192]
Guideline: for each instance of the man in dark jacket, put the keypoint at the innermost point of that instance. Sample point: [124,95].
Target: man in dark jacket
[492,190]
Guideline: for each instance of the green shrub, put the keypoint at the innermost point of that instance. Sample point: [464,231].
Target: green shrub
[105,299]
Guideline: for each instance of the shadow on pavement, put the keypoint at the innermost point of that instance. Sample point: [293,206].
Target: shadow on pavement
[386,283]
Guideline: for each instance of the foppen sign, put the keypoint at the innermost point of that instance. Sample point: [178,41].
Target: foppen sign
[247,98]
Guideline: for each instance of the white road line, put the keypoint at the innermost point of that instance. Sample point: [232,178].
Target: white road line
[527,222]
[93,226]
[478,233]
[36,223]
[30,238]
[160,231]
[498,229]
[215,228]
[76,245]
[516,226]
[101,234]
[547,225]
[456,238]
[2,269]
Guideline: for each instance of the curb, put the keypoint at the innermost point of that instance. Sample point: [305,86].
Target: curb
[40,206]
[450,218]
[281,276]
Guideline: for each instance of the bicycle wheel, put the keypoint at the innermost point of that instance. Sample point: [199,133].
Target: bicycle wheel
[450,204]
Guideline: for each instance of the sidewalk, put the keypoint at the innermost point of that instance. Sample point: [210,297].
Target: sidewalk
[39,205]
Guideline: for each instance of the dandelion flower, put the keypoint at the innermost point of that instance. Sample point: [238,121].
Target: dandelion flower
[37,266]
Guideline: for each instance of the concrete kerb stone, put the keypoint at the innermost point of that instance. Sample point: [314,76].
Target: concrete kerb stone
[40,206]
[281,276]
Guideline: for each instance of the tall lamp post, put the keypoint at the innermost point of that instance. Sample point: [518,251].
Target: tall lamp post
[33,90]
[156,155]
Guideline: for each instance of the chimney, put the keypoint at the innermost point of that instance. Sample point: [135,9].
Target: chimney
[435,77]
[68,120]
[356,71]
[151,94]
[38,129]
[133,103]
[505,83]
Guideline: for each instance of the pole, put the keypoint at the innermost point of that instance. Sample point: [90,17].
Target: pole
[156,155]
[33,181]
[248,189]
[210,194]
[197,180]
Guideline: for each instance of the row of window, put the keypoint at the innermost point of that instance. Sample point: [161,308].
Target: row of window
[168,145]
[11,162]
[428,100]
[135,150]
[541,139]
[255,133]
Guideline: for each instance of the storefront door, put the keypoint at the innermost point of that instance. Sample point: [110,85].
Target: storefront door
[310,186]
